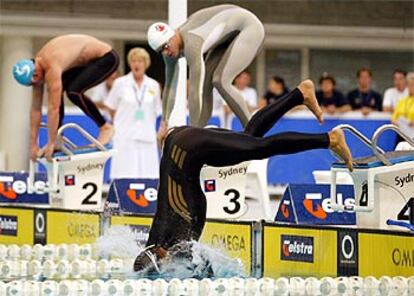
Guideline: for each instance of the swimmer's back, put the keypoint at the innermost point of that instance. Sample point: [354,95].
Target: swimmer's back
[68,51]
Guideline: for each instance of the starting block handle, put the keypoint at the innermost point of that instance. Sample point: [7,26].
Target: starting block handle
[340,207]
[53,183]
[31,180]
[380,131]
[67,147]
[370,144]
[71,147]
[334,204]
[69,143]
[360,136]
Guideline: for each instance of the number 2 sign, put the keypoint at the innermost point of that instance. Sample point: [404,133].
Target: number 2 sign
[79,181]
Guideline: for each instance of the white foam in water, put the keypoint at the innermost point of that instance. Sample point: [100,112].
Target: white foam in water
[122,242]
[119,241]
[204,261]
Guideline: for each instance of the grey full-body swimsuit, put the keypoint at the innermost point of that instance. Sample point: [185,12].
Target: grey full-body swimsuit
[219,43]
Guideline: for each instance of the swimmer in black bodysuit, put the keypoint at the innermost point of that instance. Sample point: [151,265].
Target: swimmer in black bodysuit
[181,208]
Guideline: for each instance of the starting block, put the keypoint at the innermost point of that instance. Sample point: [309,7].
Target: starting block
[383,184]
[225,189]
[75,175]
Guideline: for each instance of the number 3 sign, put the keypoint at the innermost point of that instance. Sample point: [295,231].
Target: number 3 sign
[225,188]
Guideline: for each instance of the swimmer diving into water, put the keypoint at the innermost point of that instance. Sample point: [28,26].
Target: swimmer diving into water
[181,207]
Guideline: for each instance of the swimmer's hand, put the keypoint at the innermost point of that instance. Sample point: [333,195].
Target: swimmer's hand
[148,258]
[47,151]
[162,132]
[34,151]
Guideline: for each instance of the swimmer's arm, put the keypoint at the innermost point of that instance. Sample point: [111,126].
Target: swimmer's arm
[196,81]
[36,113]
[170,88]
[54,88]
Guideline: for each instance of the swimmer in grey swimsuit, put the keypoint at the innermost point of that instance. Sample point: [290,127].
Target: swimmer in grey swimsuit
[218,42]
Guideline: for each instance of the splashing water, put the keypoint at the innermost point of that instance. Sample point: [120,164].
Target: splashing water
[201,261]
[192,260]
[119,241]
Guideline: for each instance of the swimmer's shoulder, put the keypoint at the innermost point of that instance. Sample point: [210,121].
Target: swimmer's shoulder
[175,129]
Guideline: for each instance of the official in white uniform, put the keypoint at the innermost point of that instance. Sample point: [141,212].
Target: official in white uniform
[135,103]
[99,93]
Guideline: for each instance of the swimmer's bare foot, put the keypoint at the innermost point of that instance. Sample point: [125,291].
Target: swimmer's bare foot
[105,133]
[307,89]
[338,145]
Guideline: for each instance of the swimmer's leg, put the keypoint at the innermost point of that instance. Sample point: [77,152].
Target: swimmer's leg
[211,61]
[89,76]
[241,52]
[264,119]
[231,148]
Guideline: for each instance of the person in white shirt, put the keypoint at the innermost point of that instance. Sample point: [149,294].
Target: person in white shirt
[393,94]
[242,82]
[135,103]
[100,92]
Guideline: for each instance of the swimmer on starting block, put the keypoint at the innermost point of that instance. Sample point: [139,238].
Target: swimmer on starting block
[71,63]
[181,207]
[229,37]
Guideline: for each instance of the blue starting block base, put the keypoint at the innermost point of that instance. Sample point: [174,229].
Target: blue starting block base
[310,204]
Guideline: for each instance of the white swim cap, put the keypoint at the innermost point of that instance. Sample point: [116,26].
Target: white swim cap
[158,34]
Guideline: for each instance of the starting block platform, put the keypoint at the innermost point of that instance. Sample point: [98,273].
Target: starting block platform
[75,174]
[383,184]
[368,162]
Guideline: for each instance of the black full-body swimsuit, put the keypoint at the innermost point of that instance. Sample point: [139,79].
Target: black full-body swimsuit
[181,208]
[76,81]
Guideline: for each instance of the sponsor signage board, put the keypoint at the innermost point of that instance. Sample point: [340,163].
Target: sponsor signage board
[138,196]
[347,250]
[14,188]
[388,254]
[40,226]
[233,238]
[311,204]
[298,251]
[16,226]
[72,227]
